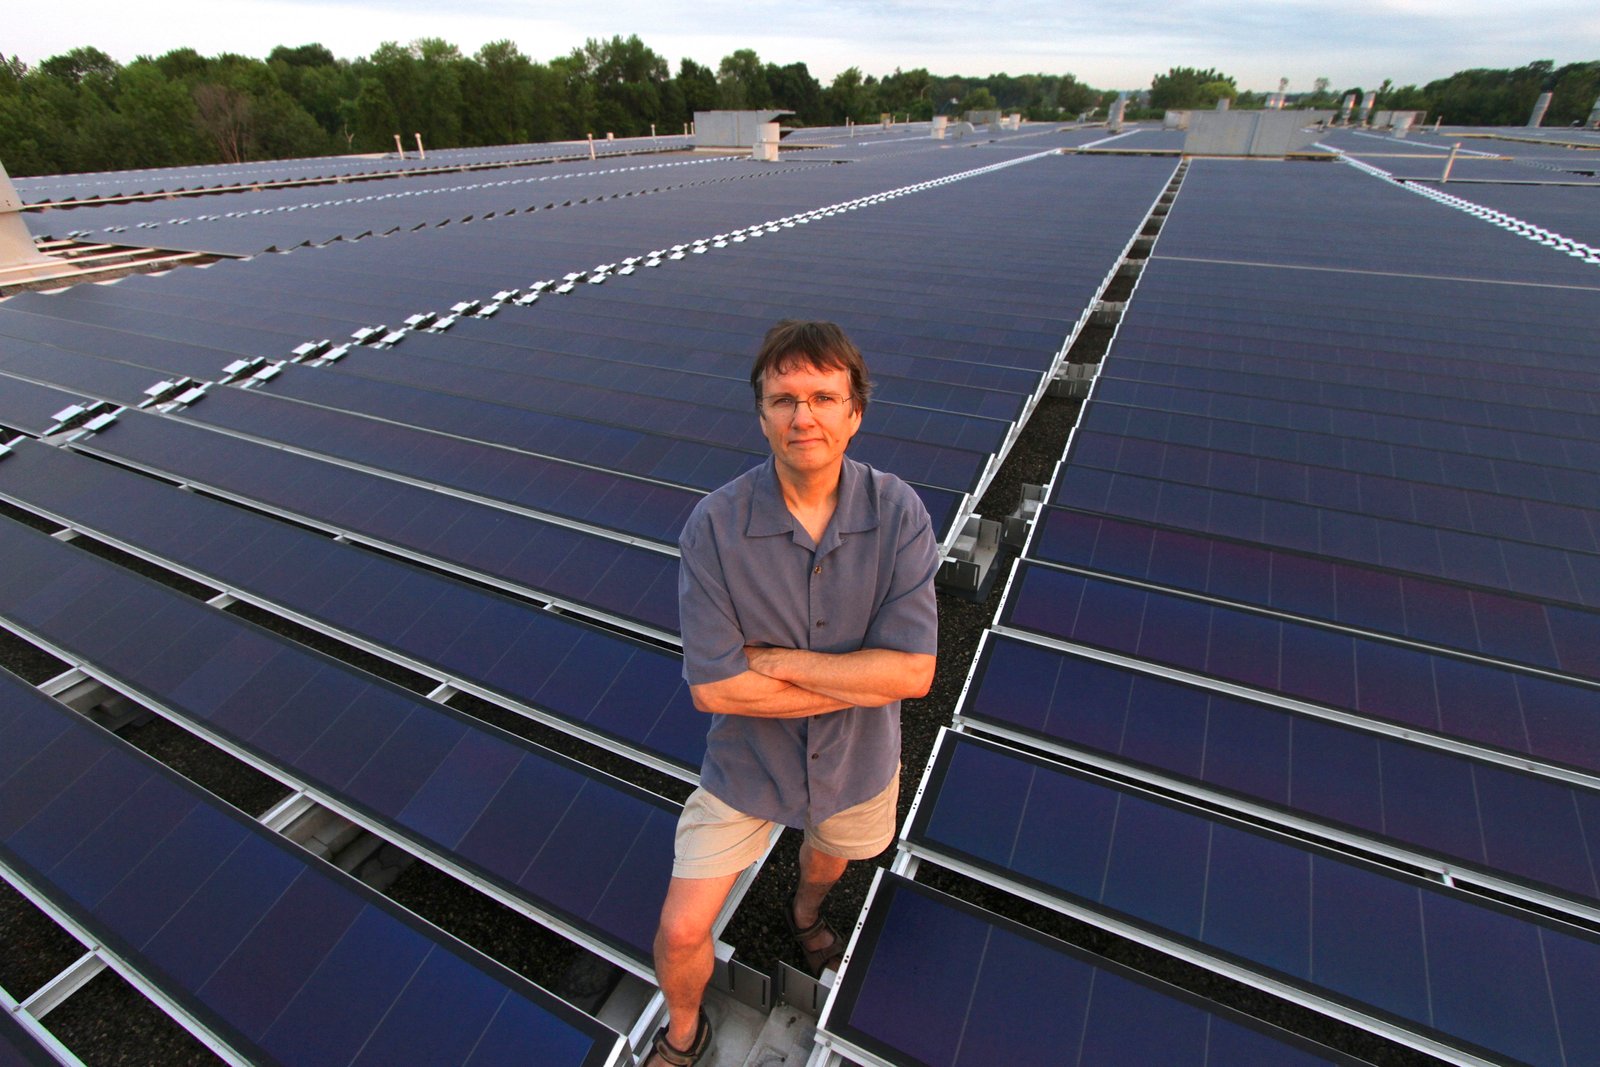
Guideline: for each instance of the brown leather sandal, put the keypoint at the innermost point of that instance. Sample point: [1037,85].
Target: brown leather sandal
[666,1052]
[829,956]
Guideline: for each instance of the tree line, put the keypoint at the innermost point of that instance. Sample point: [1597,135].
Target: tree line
[83,111]
[1478,97]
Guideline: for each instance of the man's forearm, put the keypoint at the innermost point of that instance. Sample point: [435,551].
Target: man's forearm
[870,677]
[762,696]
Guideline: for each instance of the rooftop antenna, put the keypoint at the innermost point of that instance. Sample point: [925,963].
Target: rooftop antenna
[20,258]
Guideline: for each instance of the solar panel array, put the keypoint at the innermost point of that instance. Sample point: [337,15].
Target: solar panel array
[280,959]
[66,188]
[1296,678]
[502,425]
[1303,637]
[246,222]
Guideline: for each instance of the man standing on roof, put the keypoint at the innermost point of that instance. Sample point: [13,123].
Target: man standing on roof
[807,609]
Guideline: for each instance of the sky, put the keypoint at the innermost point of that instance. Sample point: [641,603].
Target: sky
[1107,46]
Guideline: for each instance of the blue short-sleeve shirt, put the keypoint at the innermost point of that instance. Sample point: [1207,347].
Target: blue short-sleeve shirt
[751,575]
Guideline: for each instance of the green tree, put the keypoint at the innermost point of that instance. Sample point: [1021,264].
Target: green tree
[907,92]
[1577,85]
[627,80]
[848,97]
[794,89]
[697,88]
[1187,87]
[742,82]
[979,99]
[497,87]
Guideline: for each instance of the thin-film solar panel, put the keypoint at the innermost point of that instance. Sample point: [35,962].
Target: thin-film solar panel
[624,690]
[1464,812]
[535,824]
[609,577]
[1445,964]
[1515,711]
[1518,630]
[283,957]
[933,980]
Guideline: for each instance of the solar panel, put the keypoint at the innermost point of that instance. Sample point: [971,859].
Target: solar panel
[32,408]
[538,826]
[67,187]
[1397,233]
[85,375]
[610,578]
[409,392]
[937,981]
[170,357]
[1517,567]
[582,678]
[17,1045]
[1479,703]
[583,494]
[1457,811]
[282,957]
[1361,455]
[1513,629]
[1456,969]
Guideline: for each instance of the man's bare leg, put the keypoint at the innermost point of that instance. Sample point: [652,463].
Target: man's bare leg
[818,873]
[684,950]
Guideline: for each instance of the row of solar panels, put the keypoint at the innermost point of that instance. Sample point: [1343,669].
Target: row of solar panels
[246,222]
[63,189]
[1338,753]
[578,533]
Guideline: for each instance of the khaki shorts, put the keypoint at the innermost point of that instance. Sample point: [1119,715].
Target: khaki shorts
[714,839]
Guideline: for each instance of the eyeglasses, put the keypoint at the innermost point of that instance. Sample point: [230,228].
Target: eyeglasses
[822,405]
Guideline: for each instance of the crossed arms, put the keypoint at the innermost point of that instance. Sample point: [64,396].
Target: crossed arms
[790,683]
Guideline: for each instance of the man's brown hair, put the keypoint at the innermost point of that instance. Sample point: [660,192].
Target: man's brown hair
[822,345]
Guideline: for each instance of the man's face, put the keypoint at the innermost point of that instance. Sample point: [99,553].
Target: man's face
[804,443]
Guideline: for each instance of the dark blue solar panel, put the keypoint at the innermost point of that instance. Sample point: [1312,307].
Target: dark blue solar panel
[1443,963]
[424,404]
[17,1046]
[1328,488]
[1481,441]
[1522,568]
[1553,721]
[551,559]
[933,980]
[172,357]
[30,407]
[524,343]
[1473,620]
[1464,812]
[87,375]
[587,495]
[1260,215]
[379,748]
[284,958]
[1530,481]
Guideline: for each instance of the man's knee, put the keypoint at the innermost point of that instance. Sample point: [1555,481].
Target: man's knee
[681,931]
[689,913]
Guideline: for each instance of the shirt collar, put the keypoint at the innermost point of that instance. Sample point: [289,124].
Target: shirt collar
[856,512]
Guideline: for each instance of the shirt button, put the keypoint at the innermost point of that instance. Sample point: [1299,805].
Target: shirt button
[820,624]
[813,755]
[818,569]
